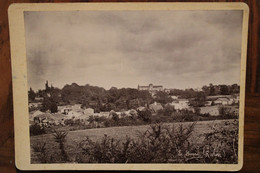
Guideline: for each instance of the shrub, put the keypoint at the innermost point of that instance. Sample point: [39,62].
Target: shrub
[115,117]
[221,144]
[60,138]
[36,130]
[168,110]
[49,104]
[105,151]
[145,115]
[159,144]
[40,149]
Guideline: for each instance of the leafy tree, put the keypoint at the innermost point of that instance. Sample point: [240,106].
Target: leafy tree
[206,89]
[224,111]
[115,117]
[234,89]
[197,110]
[163,97]
[212,90]
[224,90]
[31,94]
[36,130]
[199,100]
[134,103]
[168,110]
[49,104]
[145,115]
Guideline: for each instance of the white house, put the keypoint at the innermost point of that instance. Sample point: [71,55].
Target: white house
[155,107]
[88,111]
[222,101]
[174,97]
[74,114]
[34,114]
[71,110]
[180,104]
[34,105]
[208,103]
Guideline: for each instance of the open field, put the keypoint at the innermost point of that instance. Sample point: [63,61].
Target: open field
[120,133]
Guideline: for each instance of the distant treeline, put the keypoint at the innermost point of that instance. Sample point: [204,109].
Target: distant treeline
[119,99]
[94,97]
[207,90]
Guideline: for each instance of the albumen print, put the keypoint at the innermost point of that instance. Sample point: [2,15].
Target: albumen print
[134,86]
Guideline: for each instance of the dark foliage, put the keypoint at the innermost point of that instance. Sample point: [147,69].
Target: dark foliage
[145,115]
[163,97]
[31,95]
[60,138]
[159,144]
[40,149]
[49,104]
[36,130]
[221,144]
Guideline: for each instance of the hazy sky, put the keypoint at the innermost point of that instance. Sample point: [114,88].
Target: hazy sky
[176,49]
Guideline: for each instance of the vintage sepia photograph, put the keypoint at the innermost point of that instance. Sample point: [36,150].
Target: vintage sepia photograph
[129,86]
[133,86]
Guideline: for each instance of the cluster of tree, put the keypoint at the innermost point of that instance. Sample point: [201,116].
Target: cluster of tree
[212,90]
[94,97]
[163,97]
[49,104]
[185,94]
[198,100]
[209,90]
[122,99]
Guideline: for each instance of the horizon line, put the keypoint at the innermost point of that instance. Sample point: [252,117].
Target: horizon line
[171,88]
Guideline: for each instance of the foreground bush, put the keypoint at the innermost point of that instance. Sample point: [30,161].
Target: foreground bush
[221,145]
[36,130]
[158,144]
[60,138]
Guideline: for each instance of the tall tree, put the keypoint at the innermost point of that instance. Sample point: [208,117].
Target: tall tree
[31,94]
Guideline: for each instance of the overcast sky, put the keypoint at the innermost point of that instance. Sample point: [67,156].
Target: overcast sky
[176,49]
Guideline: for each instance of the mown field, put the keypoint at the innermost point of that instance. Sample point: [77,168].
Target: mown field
[119,133]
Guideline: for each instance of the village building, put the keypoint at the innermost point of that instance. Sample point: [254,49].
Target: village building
[103,114]
[174,97]
[155,107]
[34,105]
[167,90]
[73,114]
[209,103]
[83,117]
[131,112]
[39,98]
[180,104]
[140,108]
[236,98]
[222,101]
[44,120]
[89,111]
[151,88]
[34,114]
[71,110]
[231,101]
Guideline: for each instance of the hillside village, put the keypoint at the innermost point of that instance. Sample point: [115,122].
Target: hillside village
[94,107]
